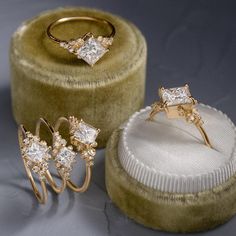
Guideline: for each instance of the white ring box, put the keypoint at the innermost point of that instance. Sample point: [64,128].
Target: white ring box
[169,154]
[168,158]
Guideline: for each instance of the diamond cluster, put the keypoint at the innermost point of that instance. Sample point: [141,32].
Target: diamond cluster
[83,132]
[90,50]
[176,96]
[64,155]
[36,153]
[84,138]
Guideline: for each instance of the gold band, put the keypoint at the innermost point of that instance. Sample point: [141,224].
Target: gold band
[47,174]
[88,162]
[78,18]
[42,197]
[190,115]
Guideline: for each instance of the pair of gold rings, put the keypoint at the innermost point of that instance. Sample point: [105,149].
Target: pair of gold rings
[178,103]
[37,154]
[89,48]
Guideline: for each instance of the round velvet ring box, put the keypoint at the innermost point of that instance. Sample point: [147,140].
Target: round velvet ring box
[163,176]
[48,81]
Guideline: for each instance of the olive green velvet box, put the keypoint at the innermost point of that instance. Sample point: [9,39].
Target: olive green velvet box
[49,82]
[188,187]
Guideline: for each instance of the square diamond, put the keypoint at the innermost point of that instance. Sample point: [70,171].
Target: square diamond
[91,51]
[176,96]
[65,157]
[36,152]
[86,133]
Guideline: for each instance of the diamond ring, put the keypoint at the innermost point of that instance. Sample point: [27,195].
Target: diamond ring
[82,137]
[48,176]
[88,47]
[36,155]
[178,103]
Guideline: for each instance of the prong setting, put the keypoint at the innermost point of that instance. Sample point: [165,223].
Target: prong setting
[83,136]
[64,156]
[88,48]
[176,96]
[36,154]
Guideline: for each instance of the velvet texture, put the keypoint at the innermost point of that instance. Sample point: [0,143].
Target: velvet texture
[49,82]
[167,211]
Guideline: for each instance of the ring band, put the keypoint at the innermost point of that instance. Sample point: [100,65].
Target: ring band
[79,18]
[83,137]
[178,103]
[36,155]
[81,47]
[47,174]
[26,141]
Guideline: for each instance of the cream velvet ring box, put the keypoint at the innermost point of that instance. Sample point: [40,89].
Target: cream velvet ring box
[49,82]
[162,175]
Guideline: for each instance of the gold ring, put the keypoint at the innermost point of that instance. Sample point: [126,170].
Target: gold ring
[47,174]
[88,47]
[178,103]
[36,155]
[82,136]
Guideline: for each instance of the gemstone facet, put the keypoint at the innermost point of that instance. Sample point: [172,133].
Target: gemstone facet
[91,51]
[36,152]
[65,157]
[86,133]
[176,96]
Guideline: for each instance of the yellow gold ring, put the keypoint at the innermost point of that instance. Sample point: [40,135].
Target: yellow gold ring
[82,136]
[88,47]
[36,155]
[48,176]
[178,103]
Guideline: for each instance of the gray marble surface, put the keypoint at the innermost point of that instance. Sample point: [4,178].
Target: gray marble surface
[188,41]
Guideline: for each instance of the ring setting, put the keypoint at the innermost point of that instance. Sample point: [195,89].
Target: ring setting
[179,103]
[83,136]
[64,156]
[83,139]
[35,153]
[88,47]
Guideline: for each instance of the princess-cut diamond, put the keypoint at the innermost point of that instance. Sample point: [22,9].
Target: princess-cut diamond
[91,51]
[65,157]
[36,152]
[86,133]
[176,96]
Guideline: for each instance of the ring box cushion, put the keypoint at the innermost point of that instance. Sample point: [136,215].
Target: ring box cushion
[185,196]
[48,81]
[170,154]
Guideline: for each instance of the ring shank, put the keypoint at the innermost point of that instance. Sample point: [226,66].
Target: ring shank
[159,107]
[48,175]
[88,173]
[78,18]
[85,184]
[42,197]
[204,135]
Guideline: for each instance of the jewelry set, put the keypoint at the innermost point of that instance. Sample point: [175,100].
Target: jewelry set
[37,154]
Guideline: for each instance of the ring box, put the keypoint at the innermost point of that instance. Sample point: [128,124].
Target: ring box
[48,81]
[162,175]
